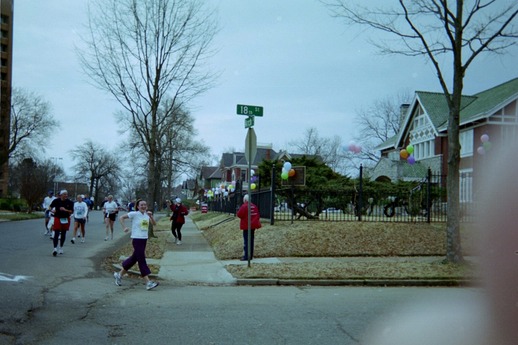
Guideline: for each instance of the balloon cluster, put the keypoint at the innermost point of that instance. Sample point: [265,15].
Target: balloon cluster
[221,190]
[354,148]
[253,180]
[408,154]
[486,144]
[287,171]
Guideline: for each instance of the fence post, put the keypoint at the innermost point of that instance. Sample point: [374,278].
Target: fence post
[429,196]
[272,197]
[360,197]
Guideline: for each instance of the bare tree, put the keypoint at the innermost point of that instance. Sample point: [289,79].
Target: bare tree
[31,124]
[377,124]
[460,29]
[147,52]
[97,167]
[32,180]
[328,149]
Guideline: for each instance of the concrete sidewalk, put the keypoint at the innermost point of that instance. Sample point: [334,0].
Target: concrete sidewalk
[193,263]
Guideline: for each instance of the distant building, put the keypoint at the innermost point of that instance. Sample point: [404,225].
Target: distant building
[6,56]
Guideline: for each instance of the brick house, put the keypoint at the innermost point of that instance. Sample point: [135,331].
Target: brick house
[492,113]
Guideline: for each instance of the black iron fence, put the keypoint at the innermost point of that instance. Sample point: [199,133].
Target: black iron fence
[416,201]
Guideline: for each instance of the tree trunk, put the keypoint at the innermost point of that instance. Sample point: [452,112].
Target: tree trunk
[152,186]
[453,242]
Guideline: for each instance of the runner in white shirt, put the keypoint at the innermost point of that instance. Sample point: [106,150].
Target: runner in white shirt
[110,209]
[140,221]
[46,203]
[80,218]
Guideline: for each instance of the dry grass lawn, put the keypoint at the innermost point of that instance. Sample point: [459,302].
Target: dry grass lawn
[338,239]
[372,241]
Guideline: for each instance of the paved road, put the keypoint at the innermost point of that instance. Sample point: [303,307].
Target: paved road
[66,300]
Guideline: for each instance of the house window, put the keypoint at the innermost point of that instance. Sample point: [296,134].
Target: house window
[466,143]
[466,186]
[424,149]
[509,135]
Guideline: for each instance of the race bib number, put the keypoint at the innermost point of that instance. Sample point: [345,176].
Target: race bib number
[144,225]
[63,220]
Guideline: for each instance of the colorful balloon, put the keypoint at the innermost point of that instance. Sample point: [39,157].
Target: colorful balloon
[410,149]
[287,166]
[284,175]
[484,138]
[410,160]
[487,146]
[253,186]
[291,173]
[481,150]
[403,154]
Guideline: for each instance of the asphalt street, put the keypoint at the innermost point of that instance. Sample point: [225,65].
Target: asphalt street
[68,299]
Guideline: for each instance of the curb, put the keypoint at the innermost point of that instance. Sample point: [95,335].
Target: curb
[118,267]
[359,282]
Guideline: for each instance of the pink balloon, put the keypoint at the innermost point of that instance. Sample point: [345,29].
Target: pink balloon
[481,150]
[484,138]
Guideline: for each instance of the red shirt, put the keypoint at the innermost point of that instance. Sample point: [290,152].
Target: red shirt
[242,213]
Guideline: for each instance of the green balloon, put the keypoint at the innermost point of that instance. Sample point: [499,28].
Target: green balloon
[410,149]
[284,175]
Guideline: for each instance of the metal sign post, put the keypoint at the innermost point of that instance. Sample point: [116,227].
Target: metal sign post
[250,151]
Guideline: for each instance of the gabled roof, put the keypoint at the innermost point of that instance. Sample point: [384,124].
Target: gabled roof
[239,159]
[208,173]
[479,106]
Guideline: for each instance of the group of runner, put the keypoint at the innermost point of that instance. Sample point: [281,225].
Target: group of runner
[60,210]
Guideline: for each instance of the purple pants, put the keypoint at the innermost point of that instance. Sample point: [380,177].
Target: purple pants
[138,256]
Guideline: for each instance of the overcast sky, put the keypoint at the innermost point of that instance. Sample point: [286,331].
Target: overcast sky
[304,67]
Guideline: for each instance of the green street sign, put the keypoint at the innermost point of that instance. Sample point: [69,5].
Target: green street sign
[249,110]
[249,122]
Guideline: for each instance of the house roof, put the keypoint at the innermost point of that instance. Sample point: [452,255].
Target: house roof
[208,173]
[473,108]
[239,159]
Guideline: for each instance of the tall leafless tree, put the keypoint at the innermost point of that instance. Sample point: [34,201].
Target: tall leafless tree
[145,52]
[31,124]
[377,124]
[328,149]
[96,166]
[461,31]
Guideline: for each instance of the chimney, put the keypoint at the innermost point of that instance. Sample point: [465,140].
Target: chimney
[403,108]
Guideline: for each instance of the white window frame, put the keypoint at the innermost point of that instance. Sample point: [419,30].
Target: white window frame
[466,143]
[465,186]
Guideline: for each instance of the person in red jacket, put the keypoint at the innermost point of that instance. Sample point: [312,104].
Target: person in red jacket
[178,219]
[255,223]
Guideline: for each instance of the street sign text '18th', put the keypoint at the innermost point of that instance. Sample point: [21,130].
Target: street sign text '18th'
[249,110]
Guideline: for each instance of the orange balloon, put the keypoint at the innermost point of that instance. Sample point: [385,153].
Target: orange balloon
[291,173]
[403,154]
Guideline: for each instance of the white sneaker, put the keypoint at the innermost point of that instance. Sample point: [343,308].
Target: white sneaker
[73,240]
[60,251]
[151,285]
[118,278]
[83,240]
[178,242]
[106,238]
[55,252]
